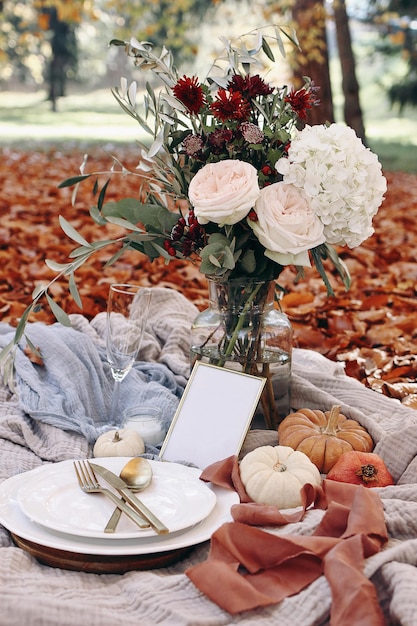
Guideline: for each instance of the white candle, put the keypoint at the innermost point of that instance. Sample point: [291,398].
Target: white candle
[147,422]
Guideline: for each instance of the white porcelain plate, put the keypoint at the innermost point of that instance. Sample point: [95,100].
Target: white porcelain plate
[12,518]
[52,498]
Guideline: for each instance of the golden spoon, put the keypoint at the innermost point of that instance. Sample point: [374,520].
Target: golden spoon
[137,474]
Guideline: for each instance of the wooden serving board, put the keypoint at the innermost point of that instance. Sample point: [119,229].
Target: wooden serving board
[99,564]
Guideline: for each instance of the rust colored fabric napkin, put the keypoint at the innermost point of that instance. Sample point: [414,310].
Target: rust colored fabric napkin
[249,568]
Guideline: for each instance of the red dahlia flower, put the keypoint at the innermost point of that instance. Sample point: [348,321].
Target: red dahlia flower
[189,92]
[249,86]
[301,101]
[230,105]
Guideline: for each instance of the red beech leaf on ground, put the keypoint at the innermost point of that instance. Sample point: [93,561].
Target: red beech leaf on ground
[371,328]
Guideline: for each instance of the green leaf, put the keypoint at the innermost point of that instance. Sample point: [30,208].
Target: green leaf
[228,259]
[56,267]
[7,356]
[58,312]
[291,37]
[261,110]
[317,254]
[96,215]
[78,263]
[33,347]
[218,238]
[102,195]
[267,49]
[280,44]
[74,290]
[156,146]
[207,268]
[71,232]
[69,182]
[38,291]
[117,42]
[274,156]
[214,261]
[156,217]
[20,328]
[219,255]
[173,102]
[120,221]
[115,256]
[81,251]
[151,93]
[167,220]
[5,352]
[127,208]
[160,251]
[340,266]
[248,262]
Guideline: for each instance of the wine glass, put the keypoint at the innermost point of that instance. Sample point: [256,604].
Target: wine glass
[127,312]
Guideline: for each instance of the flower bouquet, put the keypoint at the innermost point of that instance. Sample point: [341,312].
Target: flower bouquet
[233,180]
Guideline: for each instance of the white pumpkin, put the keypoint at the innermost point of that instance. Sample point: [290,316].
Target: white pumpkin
[123,442]
[274,475]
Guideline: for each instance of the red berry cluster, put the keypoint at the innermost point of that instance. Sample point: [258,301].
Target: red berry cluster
[267,170]
[169,248]
[189,232]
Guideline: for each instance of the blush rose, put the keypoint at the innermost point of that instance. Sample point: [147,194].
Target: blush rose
[224,192]
[286,225]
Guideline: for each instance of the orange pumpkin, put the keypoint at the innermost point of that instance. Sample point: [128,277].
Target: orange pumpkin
[361,468]
[323,436]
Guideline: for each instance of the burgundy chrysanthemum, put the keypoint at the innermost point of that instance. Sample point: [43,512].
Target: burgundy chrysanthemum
[301,101]
[190,93]
[250,86]
[230,105]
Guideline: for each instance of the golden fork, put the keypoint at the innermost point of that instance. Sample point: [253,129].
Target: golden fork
[89,484]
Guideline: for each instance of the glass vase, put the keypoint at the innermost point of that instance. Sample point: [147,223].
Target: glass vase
[243,329]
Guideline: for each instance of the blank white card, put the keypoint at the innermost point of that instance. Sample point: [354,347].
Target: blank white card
[213,416]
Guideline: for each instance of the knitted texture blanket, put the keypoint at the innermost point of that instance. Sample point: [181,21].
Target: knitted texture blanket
[38,427]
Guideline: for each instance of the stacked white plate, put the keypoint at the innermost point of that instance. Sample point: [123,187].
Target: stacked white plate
[46,506]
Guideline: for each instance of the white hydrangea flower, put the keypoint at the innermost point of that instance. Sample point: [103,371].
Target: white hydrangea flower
[341,177]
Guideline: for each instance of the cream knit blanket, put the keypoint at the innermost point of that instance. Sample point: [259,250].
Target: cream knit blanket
[37,595]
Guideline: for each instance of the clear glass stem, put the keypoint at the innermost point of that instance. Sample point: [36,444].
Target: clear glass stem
[115,402]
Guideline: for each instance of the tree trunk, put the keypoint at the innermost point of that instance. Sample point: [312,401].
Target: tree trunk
[352,108]
[63,53]
[313,61]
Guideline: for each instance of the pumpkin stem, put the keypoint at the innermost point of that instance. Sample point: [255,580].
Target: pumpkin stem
[116,437]
[332,420]
[367,473]
[280,467]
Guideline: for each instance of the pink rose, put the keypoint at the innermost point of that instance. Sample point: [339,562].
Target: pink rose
[287,226]
[224,192]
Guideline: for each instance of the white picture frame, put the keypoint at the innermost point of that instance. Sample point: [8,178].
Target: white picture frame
[213,416]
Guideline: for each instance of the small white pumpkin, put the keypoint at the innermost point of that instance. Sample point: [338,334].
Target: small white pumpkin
[123,442]
[274,475]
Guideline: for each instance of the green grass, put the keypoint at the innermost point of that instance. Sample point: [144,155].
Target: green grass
[26,119]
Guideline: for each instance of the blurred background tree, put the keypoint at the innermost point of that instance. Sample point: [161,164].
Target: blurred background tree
[397,24]
[49,40]
[53,41]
